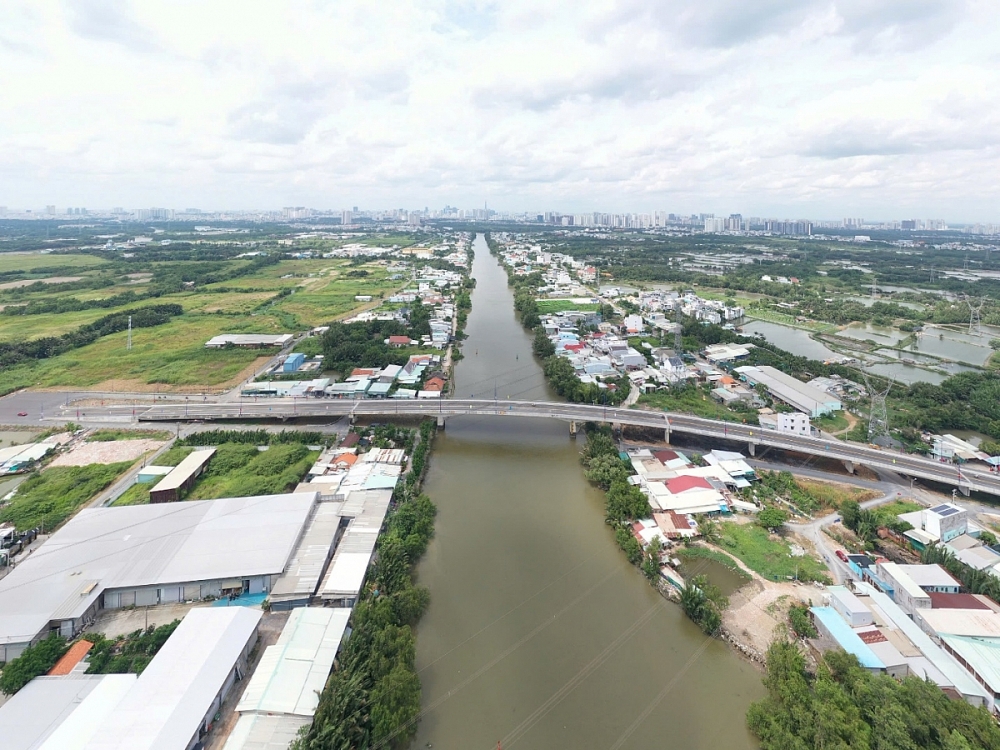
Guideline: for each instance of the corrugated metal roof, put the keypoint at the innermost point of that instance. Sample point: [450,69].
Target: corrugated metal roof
[37,711]
[302,574]
[291,674]
[148,545]
[263,732]
[88,719]
[982,654]
[187,468]
[172,696]
[846,638]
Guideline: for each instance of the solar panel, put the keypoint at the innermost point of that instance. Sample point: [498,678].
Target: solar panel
[949,512]
[940,508]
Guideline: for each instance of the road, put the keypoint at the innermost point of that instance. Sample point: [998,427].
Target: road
[962,478]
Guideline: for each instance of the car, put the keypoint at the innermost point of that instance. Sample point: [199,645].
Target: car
[22,414]
[842,555]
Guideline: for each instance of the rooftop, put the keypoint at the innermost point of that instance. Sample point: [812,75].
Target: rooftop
[187,468]
[168,702]
[145,545]
[292,673]
[60,713]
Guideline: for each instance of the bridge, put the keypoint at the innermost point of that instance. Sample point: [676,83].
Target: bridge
[961,477]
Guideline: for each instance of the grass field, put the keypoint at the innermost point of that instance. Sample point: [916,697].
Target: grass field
[50,497]
[29,261]
[704,553]
[832,495]
[770,557]
[549,306]
[109,435]
[694,401]
[238,470]
[171,354]
[834,422]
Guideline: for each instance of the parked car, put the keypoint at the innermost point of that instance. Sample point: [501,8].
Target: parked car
[842,555]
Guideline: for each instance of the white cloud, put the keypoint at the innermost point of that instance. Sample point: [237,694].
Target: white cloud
[780,107]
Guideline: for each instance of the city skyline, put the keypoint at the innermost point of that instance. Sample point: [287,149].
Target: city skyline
[791,109]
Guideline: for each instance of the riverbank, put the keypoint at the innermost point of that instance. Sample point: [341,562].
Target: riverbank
[539,633]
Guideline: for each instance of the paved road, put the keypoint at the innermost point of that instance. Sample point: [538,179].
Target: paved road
[963,478]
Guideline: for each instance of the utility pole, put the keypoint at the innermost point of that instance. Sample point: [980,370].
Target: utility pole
[128,345]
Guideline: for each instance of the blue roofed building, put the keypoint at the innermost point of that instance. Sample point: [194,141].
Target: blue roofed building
[831,625]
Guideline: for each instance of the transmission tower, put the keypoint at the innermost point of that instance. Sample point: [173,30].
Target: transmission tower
[128,345]
[874,288]
[878,417]
[975,323]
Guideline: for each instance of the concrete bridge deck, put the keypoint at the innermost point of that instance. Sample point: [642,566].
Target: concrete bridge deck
[852,454]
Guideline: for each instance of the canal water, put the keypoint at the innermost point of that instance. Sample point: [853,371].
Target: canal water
[539,633]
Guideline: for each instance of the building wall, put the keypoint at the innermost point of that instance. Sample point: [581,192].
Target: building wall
[149,596]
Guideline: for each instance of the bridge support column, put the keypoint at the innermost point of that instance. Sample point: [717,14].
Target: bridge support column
[752,447]
[849,465]
[440,422]
[572,429]
[964,489]
[666,436]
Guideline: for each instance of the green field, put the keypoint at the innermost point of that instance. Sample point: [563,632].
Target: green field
[173,354]
[239,470]
[770,557]
[550,306]
[694,400]
[50,497]
[30,261]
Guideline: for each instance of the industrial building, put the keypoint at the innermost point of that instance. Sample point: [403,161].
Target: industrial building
[107,558]
[249,340]
[283,693]
[172,487]
[795,393]
[171,706]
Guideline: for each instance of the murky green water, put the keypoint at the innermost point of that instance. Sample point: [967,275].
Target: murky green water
[539,633]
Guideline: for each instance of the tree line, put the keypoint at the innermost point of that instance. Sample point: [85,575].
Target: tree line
[373,696]
[12,353]
[842,705]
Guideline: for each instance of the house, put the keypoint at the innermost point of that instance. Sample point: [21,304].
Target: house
[398,342]
[434,383]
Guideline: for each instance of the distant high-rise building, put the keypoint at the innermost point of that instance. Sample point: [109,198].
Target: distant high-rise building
[909,224]
[347,217]
[50,210]
[3,210]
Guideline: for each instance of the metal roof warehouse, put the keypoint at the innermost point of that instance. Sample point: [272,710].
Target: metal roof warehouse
[148,554]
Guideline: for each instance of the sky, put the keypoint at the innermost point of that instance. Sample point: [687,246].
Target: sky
[815,109]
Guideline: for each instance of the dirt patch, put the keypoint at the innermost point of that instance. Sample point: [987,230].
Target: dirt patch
[118,622]
[110,452]
[758,613]
[138,386]
[29,282]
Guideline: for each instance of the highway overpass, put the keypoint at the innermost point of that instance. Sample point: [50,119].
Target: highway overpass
[852,454]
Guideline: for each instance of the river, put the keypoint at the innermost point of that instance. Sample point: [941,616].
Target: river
[539,632]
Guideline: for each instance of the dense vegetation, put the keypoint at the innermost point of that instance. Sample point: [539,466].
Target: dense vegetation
[47,498]
[624,502]
[802,624]
[350,345]
[241,470]
[254,437]
[12,353]
[36,660]
[128,653]
[974,581]
[373,697]
[843,705]
[704,603]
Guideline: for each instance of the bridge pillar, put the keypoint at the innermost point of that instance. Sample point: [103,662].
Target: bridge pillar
[849,465]
[572,429]
[752,447]
[666,436]
[440,421]
[964,489]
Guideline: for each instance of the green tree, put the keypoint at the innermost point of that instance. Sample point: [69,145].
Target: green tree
[605,470]
[34,661]
[994,343]
[850,512]
[772,518]
[798,618]
[651,559]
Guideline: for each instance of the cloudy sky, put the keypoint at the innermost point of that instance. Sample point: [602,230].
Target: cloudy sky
[785,108]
